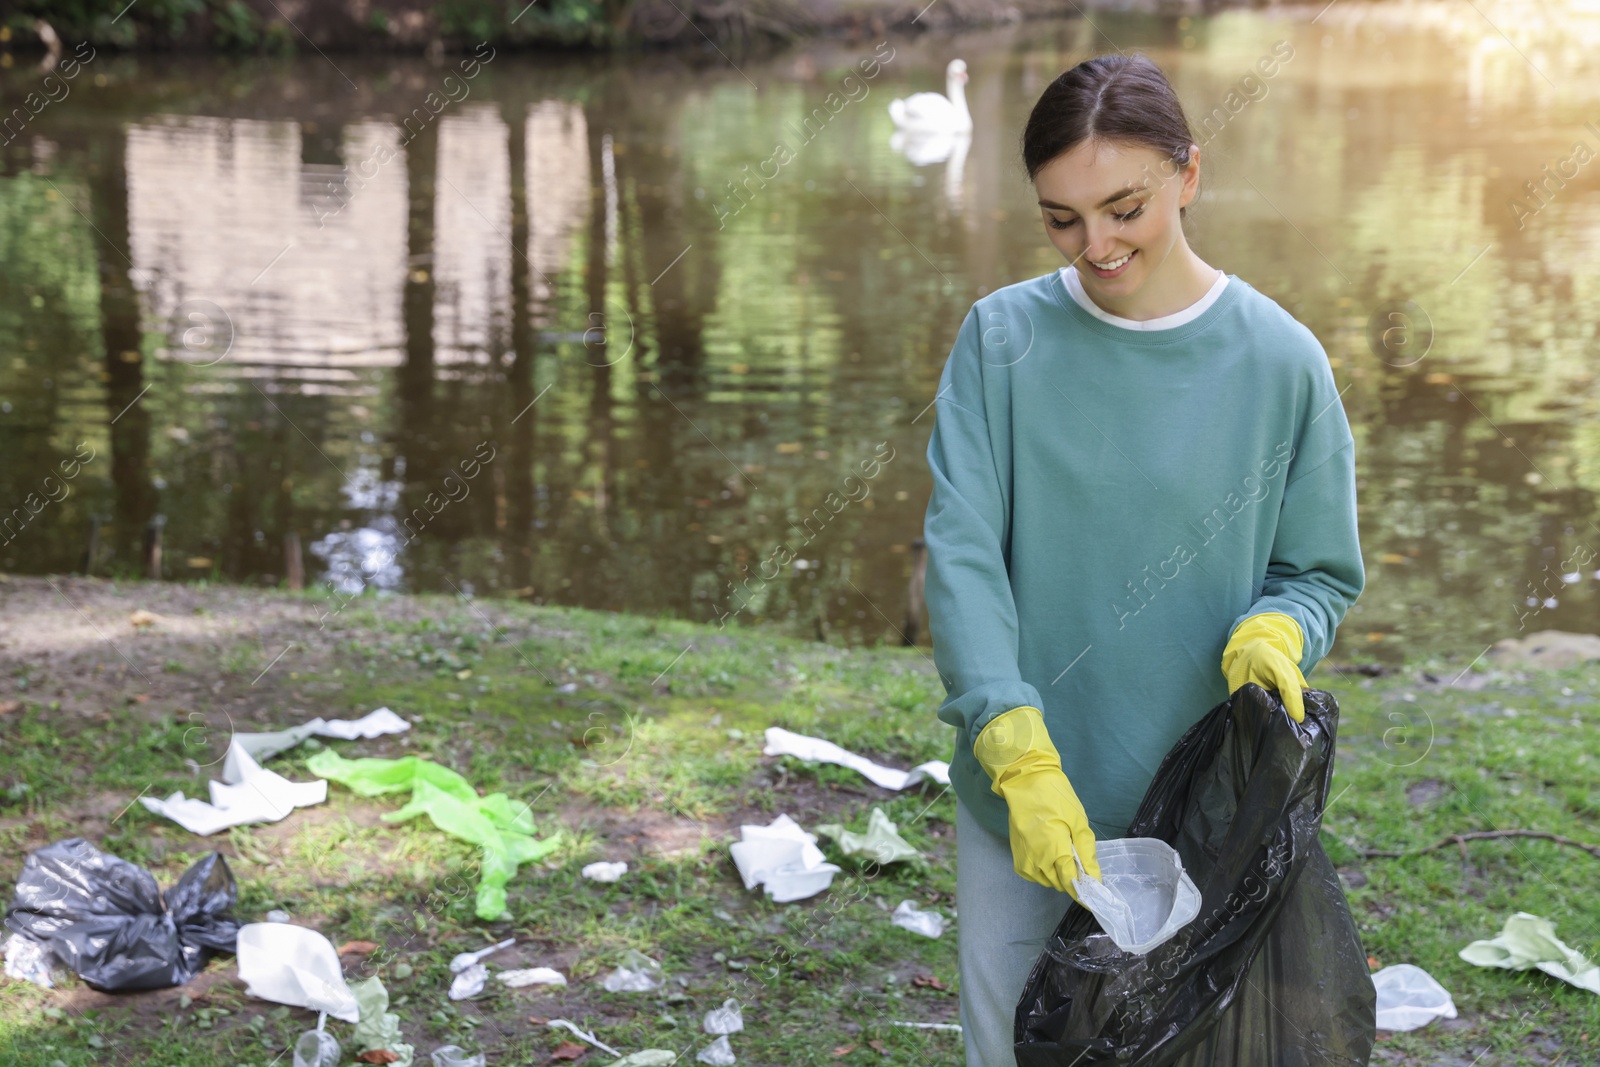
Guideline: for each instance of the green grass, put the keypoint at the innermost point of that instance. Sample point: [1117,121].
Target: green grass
[589,715]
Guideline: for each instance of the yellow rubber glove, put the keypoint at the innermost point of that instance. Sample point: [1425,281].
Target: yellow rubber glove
[1047,821]
[1266,649]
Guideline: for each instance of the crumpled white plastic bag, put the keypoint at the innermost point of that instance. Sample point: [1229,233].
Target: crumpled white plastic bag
[783,858]
[294,965]
[1409,997]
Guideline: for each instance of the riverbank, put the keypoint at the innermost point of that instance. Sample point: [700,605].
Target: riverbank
[640,739]
[457,25]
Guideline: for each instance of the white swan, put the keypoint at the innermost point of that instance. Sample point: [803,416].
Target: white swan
[931,111]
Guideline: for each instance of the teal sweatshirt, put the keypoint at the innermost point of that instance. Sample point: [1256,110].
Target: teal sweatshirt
[1108,504]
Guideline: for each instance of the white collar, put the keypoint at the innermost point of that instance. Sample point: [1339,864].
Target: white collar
[1074,286]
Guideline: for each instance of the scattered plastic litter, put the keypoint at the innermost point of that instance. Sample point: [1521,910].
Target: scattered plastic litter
[277,915]
[108,920]
[1144,896]
[373,724]
[502,827]
[469,983]
[727,1019]
[781,742]
[317,1048]
[456,1056]
[296,966]
[532,976]
[638,973]
[379,1028]
[927,923]
[719,1053]
[1409,997]
[1529,941]
[248,793]
[605,872]
[585,1035]
[463,960]
[783,858]
[881,841]
[28,960]
[650,1057]
[931,1026]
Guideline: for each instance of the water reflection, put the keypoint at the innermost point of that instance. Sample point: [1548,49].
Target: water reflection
[278,308]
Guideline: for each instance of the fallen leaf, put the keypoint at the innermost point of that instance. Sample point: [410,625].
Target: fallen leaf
[928,981]
[537,1020]
[844,1050]
[358,947]
[568,1050]
[141,698]
[377,1055]
[142,618]
[878,1045]
[8,706]
[1372,961]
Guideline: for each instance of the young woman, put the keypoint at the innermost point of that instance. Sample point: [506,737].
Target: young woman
[1143,498]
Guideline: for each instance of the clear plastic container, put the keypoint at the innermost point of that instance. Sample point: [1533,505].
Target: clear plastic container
[1144,896]
[316,1048]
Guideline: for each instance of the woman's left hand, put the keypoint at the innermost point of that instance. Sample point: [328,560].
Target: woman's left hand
[1266,649]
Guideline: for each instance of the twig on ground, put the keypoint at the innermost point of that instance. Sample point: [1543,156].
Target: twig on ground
[1479,835]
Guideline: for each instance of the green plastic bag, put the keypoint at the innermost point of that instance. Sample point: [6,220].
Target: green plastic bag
[500,826]
[379,1027]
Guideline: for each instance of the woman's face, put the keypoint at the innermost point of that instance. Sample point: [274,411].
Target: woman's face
[1113,205]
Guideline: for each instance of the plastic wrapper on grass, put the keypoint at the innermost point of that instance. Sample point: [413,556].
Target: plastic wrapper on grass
[500,826]
[108,921]
[1271,972]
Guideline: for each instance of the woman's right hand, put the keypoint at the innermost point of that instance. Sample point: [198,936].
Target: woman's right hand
[1047,821]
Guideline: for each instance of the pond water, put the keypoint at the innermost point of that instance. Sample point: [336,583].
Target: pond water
[577,330]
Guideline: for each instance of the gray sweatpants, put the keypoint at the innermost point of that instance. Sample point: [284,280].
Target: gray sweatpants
[1002,924]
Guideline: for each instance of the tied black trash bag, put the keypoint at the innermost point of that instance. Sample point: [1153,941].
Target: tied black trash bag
[1271,973]
[105,918]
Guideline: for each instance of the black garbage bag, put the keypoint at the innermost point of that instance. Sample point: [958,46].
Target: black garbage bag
[105,917]
[1271,973]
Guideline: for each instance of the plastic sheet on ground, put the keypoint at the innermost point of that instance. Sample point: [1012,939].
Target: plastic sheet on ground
[727,1019]
[1529,941]
[456,1056]
[604,872]
[108,921]
[881,842]
[908,917]
[373,724]
[650,1057]
[1143,896]
[248,793]
[503,828]
[1409,997]
[296,966]
[531,976]
[719,1053]
[783,859]
[781,742]
[1271,972]
[637,973]
[379,1028]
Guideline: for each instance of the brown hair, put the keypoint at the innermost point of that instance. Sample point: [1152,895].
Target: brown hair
[1112,97]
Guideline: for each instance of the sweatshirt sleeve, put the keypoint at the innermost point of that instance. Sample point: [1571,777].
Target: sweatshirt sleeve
[1315,571]
[972,615]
